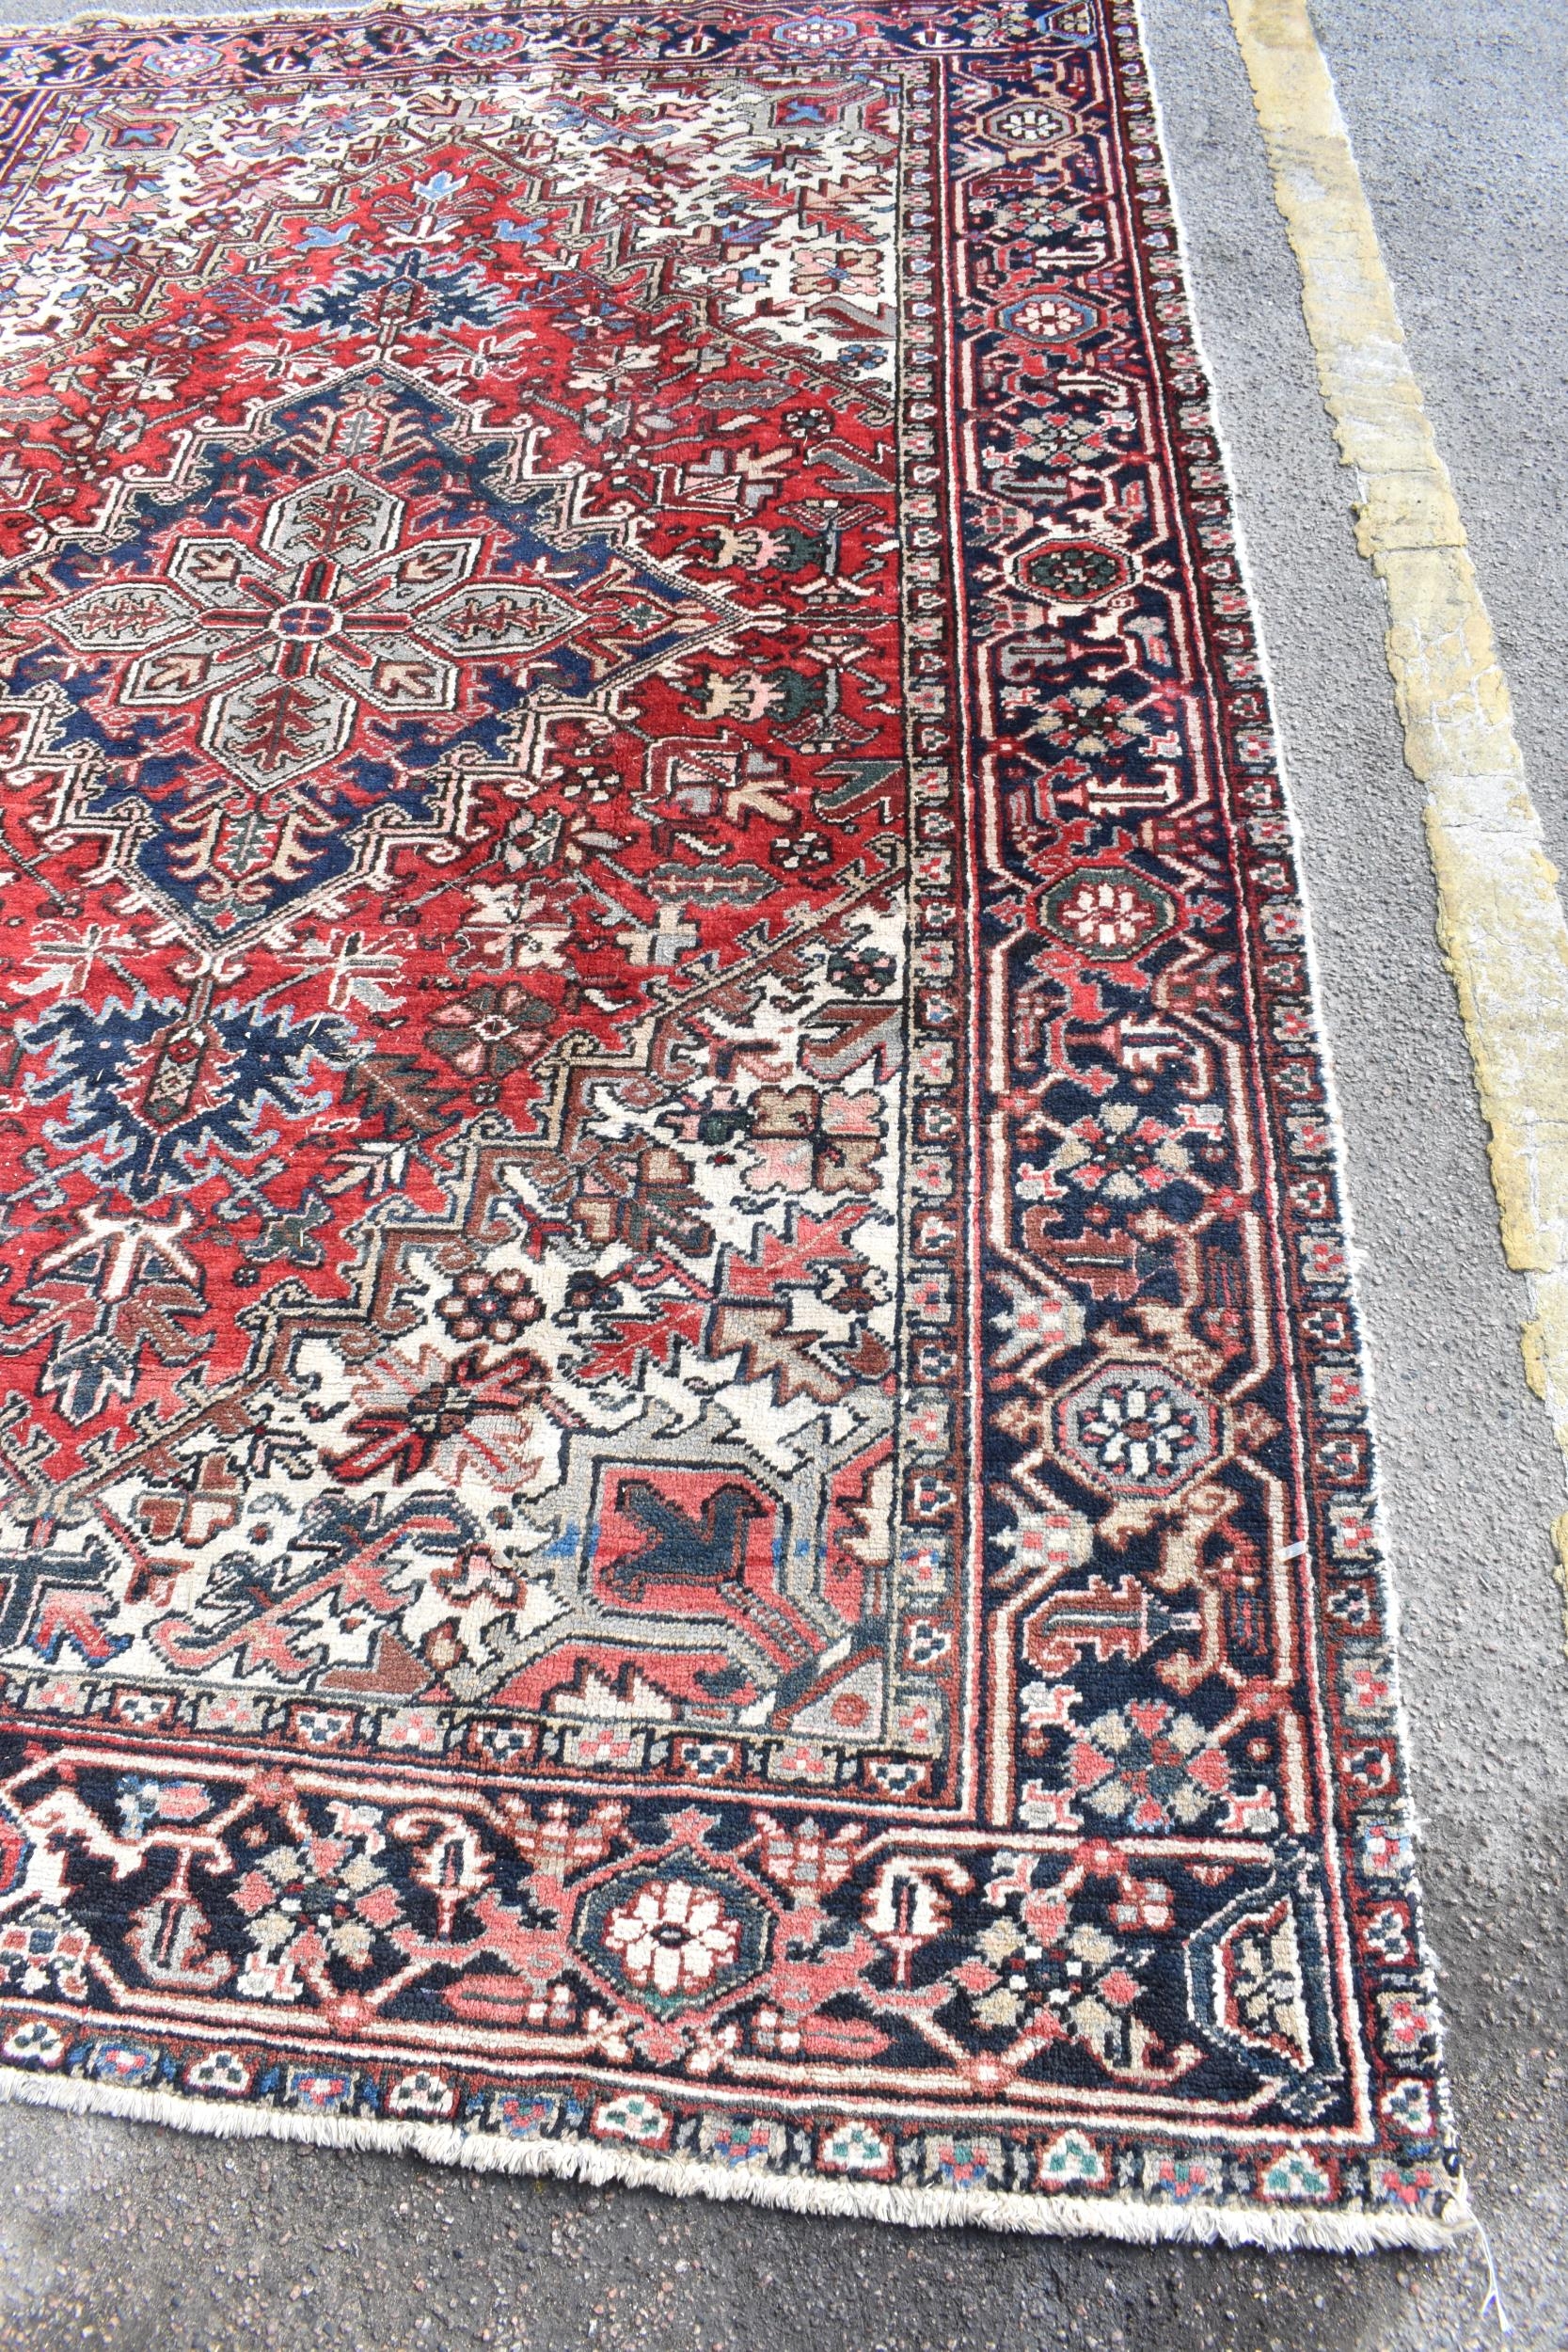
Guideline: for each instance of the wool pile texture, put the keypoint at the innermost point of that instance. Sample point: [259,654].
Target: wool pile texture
[684,1483]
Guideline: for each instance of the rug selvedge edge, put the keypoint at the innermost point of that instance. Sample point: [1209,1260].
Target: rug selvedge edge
[1322,1053]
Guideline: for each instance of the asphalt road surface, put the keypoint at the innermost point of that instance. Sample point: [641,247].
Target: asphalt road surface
[116,2234]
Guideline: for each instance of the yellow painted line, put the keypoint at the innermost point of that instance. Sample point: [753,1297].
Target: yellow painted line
[1500,923]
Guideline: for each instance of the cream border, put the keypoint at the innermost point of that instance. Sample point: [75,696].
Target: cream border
[1499,920]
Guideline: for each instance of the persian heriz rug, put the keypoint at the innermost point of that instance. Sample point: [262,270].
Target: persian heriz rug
[685,1485]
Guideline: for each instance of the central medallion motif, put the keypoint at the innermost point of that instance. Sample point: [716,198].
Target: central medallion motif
[301,641]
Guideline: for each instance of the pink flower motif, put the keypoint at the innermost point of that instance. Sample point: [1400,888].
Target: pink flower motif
[974,1976]
[1120,1987]
[1045,1916]
[1406,2022]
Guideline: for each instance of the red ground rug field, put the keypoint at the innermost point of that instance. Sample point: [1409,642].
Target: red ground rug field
[685,1485]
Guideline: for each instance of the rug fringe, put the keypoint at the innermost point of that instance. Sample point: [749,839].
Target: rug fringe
[1139,2223]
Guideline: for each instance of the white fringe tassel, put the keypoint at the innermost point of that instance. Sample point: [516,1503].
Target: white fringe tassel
[1494,2292]
[915,2208]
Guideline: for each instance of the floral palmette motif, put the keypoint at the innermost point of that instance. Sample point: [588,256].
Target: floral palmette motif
[1148,1767]
[1120,1153]
[497,1307]
[323,1899]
